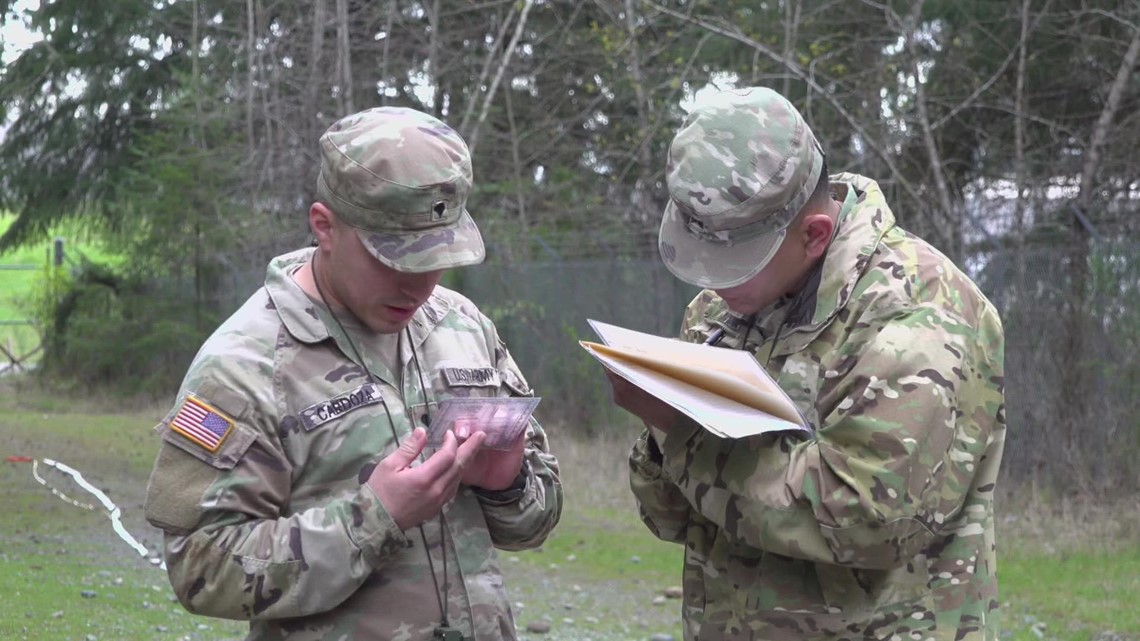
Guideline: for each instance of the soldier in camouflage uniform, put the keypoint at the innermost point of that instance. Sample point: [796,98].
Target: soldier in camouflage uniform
[293,484]
[880,523]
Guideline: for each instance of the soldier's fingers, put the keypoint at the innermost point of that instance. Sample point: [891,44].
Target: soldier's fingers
[440,462]
[463,428]
[448,481]
[469,450]
[409,449]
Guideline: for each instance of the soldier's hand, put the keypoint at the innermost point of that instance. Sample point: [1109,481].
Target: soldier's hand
[496,469]
[642,404]
[414,494]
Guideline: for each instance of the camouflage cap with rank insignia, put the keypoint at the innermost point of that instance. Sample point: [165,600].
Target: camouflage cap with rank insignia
[740,168]
[401,177]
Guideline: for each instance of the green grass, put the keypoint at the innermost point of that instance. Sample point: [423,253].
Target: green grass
[63,575]
[48,426]
[609,545]
[18,286]
[1063,579]
[57,588]
[1076,594]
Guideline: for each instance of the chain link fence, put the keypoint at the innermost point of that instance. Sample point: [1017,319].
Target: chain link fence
[541,306]
[1044,312]
[541,309]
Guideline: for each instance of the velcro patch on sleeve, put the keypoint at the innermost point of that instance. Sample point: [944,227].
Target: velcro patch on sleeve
[201,423]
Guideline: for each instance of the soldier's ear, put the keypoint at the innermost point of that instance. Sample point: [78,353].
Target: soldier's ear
[816,233]
[321,223]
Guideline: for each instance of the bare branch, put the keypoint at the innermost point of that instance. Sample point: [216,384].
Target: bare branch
[943,222]
[985,86]
[644,142]
[506,60]
[520,199]
[1110,15]
[1107,114]
[483,74]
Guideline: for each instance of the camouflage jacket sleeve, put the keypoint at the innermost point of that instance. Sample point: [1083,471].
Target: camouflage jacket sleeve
[660,503]
[231,552]
[523,519]
[906,408]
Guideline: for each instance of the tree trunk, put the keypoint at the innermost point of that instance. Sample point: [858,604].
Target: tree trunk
[1074,399]
[943,218]
[316,50]
[344,58]
[520,194]
[434,64]
[387,42]
[645,211]
[791,30]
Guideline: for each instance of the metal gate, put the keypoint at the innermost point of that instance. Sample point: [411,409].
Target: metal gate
[15,358]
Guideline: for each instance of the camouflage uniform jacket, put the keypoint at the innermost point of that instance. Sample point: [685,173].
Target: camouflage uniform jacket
[881,524]
[277,526]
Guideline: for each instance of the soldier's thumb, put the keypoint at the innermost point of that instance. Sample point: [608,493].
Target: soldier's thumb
[409,449]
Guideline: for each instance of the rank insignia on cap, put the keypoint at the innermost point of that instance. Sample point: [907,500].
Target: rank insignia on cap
[201,423]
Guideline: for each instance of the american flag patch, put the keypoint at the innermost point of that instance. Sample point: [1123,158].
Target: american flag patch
[201,423]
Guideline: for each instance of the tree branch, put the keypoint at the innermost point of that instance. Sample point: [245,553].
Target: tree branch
[506,61]
[470,111]
[944,223]
[1107,114]
[985,86]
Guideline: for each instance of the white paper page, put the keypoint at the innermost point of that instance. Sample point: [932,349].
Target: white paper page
[734,362]
[730,361]
[719,415]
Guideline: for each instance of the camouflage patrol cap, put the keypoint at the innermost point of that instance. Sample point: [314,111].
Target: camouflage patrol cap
[740,168]
[401,178]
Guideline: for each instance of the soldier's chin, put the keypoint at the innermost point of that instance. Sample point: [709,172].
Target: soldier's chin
[739,306]
[390,320]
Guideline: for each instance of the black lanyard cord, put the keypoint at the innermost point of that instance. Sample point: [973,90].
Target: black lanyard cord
[442,518]
[440,594]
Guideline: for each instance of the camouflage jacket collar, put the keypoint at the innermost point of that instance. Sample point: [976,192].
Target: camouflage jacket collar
[863,221]
[311,322]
